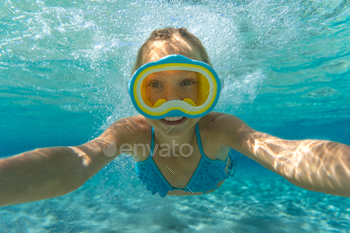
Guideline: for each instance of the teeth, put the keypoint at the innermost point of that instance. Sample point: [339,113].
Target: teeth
[173,118]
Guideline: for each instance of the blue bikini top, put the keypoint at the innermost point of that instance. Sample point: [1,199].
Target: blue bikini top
[205,178]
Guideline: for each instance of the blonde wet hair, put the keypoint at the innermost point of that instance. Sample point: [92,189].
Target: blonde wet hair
[167,41]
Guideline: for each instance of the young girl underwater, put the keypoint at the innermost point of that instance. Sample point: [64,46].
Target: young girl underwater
[179,145]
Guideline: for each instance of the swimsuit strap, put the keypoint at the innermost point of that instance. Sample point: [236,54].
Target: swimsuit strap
[232,167]
[152,144]
[199,141]
[229,149]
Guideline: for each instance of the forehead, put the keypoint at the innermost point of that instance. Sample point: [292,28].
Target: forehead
[158,50]
[156,57]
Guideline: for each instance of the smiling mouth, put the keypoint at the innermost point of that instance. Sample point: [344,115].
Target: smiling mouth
[173,120]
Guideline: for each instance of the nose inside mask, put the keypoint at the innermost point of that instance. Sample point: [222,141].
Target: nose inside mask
[162,101]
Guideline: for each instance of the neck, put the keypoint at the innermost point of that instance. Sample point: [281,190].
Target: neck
[165,141]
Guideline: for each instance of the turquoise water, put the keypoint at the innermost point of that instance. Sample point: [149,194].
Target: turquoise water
[286,66]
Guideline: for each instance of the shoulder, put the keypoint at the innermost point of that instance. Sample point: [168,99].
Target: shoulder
[132,130]
[224,130]
[217,122]
[212,136]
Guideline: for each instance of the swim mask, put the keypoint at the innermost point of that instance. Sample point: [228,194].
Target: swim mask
[193,92]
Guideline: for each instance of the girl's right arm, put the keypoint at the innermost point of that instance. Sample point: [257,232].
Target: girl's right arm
[50,172]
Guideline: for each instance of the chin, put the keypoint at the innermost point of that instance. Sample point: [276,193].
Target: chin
[173,127]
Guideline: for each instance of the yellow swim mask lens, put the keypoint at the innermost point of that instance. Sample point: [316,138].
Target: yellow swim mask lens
[174,86]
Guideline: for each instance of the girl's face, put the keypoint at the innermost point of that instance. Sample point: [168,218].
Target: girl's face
[172,85]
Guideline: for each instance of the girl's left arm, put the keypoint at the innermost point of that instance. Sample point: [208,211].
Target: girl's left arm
[316,165]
